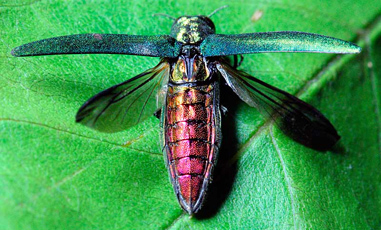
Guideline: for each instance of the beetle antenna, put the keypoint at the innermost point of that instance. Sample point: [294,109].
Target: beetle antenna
[216,10]
[164,15]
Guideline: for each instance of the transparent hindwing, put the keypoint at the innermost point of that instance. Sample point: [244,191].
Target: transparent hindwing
[296,118]
[126,104]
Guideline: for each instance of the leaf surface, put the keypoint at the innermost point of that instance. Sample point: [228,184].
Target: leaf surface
[55,174]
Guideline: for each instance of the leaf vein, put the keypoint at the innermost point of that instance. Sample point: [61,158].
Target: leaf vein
[375,90]
[288,179]
[175,221]
[127,145]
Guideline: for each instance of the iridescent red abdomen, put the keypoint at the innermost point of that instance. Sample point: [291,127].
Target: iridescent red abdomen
[192,137]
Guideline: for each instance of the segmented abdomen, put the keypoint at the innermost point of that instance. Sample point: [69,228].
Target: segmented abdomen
[192,137]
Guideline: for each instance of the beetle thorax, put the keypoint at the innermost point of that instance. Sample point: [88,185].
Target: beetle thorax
[190,67]
[192,29]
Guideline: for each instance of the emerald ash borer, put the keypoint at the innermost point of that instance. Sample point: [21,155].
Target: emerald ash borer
[184,86]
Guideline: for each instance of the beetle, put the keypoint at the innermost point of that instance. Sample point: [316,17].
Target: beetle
[184,88]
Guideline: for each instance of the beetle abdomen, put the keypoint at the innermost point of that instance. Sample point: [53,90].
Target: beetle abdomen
[192,137]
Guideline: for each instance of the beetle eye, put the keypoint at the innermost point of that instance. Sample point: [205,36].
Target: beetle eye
[208,22]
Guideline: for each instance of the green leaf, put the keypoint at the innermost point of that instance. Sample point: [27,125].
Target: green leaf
[56,174]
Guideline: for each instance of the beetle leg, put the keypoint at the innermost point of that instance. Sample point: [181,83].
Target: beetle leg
[236,63]
[224,110]
[157,113]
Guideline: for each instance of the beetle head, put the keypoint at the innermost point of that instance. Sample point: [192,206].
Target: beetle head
[192,29]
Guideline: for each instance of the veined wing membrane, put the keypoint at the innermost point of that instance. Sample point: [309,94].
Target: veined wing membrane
[125,104]
[299,120]
[154,45]
[267,42]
